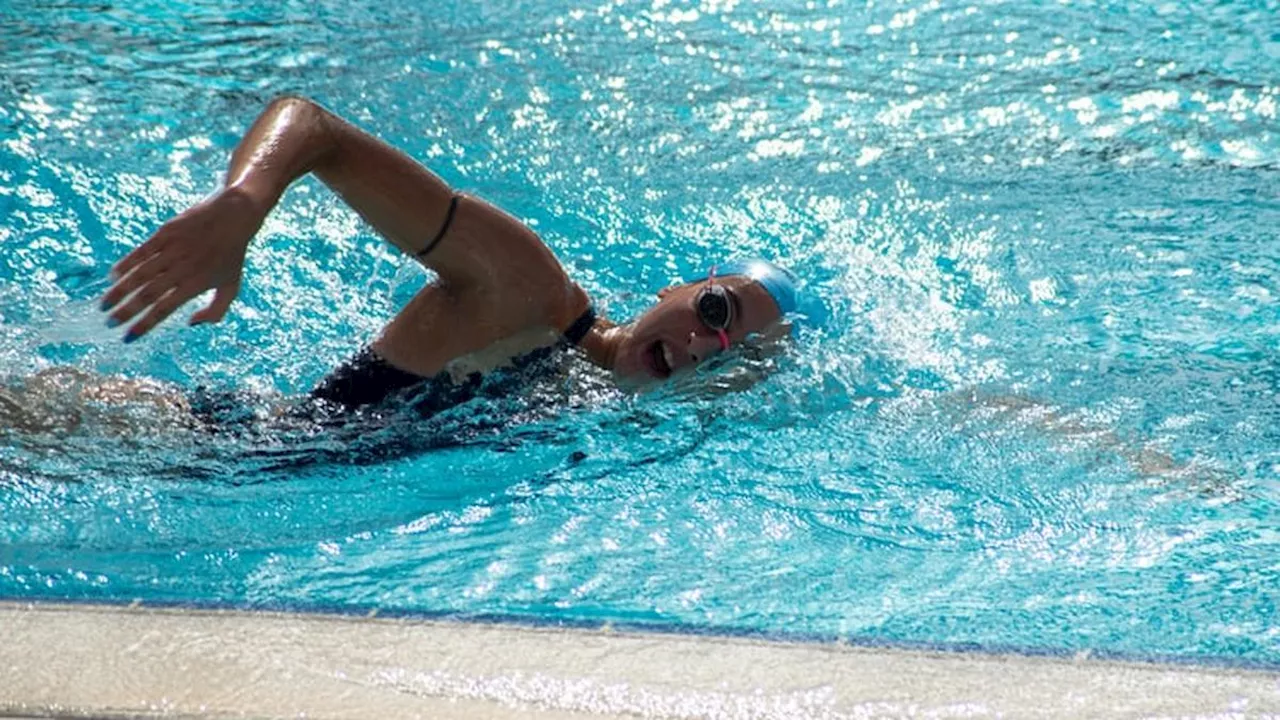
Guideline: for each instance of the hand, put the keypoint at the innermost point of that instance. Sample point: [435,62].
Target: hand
[202,248]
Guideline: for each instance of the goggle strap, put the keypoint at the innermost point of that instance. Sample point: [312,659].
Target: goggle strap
[720,333]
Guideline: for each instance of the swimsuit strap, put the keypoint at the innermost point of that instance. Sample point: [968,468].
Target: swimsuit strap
[580,327]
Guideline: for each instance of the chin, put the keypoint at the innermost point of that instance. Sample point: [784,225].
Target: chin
[642,363]
[634,376]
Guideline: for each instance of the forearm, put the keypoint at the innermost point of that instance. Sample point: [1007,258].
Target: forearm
[295,136]
[204,246]
[286,142]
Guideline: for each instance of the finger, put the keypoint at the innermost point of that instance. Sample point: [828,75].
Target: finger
[141,275]
[217,308]
[143,298]
[160,310]
[139,255]
[136,257]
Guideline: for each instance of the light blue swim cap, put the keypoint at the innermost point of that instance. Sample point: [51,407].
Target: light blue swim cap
[795,304]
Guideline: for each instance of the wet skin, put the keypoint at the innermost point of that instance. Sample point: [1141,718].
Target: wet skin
[499,289]
[670,338]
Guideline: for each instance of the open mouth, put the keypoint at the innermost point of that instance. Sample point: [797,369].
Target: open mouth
[659,359]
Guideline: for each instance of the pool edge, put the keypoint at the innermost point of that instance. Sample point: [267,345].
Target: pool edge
[71,660]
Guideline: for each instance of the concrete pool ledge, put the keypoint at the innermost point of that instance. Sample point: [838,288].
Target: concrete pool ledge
[117,662]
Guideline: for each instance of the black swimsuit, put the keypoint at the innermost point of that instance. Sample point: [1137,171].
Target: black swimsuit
[367,379]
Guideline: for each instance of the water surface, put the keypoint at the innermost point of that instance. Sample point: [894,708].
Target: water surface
[1043,415]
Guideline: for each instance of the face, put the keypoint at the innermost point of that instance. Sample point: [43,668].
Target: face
[673,336]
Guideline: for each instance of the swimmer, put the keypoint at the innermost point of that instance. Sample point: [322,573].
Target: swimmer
[500,298]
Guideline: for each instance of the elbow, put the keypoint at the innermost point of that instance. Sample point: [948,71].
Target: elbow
[314,122]
[298,109]
[290,101]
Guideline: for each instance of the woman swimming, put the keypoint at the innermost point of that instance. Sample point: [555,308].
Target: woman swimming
[500,300]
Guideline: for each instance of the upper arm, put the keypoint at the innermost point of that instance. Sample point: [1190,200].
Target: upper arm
[507,261]
[484,248]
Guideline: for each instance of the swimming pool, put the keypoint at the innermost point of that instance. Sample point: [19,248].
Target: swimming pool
[1043,416]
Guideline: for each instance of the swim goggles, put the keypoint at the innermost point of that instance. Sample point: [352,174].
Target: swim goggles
[715,308]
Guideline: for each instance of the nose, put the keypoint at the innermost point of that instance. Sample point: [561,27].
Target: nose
[703,346]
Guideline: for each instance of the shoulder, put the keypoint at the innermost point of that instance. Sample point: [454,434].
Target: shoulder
[504,270]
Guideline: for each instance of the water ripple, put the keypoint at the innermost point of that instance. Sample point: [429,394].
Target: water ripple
[1042,415]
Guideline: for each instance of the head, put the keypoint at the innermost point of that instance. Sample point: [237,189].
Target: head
[697,320]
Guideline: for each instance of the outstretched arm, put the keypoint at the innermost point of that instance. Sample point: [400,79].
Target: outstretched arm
[204,247]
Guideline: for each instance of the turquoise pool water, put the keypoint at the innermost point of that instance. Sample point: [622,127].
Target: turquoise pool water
[1044,415]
